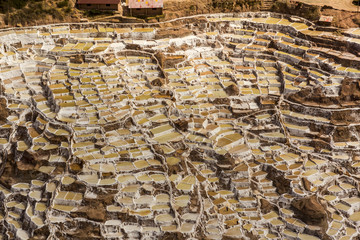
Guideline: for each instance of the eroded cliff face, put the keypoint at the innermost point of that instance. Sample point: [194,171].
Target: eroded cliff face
[238,127]
[348,95]
[3,110]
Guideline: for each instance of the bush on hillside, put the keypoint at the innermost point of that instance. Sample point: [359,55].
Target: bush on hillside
[64,3]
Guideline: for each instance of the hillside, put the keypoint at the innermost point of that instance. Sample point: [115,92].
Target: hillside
[39,12]
[176,8]
[35,12]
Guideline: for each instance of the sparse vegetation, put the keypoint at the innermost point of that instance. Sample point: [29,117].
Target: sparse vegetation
[64,3]
[232,5]
[193,7]
[6,6]
[309,12]
[356,21]
[157,17]
[32,12]
[96,13]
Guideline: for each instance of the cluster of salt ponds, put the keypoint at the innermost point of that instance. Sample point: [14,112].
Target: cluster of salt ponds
[187,156]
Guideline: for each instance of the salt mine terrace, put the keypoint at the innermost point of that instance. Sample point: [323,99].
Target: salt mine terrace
[141,135]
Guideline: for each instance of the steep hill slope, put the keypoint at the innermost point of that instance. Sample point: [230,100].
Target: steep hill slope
[35,12]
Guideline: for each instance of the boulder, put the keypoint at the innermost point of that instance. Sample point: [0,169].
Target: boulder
[182,125]
[232,90]
[310,211]
[306,184]
[158,82]
[4,113]
[266,206]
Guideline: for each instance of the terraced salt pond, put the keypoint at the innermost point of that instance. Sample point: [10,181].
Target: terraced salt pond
[120,132]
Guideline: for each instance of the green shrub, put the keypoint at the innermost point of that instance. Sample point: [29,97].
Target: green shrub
[68,9]
[92,13]
[64,3]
